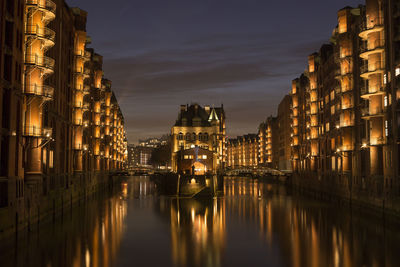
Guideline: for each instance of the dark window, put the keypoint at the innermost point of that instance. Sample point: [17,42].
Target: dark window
[6,109]
[9,34]
[3,193]
[7,75]
[4,156]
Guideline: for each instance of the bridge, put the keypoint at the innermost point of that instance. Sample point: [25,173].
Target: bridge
[254,171]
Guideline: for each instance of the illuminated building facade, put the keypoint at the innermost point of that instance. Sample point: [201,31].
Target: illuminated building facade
[202,127]
[283,149]
[62,128]
[11,102]
[345,107]
[262,145]
[243,151]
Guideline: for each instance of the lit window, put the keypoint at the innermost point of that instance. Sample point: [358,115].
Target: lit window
[186,156]
[397,71]
[385,101]
[204,156]
[386,128]
[51,159]
[385,78]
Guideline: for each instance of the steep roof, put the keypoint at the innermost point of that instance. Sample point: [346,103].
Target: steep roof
[196,115]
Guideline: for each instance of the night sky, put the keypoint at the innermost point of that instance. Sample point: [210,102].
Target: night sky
[242,53]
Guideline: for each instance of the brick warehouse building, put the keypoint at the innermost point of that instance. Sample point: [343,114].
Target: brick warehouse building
[61,125]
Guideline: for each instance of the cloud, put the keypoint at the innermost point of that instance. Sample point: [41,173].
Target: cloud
[242,71]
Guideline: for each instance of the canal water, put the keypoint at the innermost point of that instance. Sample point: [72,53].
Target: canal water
[254,224]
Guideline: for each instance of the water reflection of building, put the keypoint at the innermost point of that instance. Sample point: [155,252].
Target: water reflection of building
[306,233]
[198,232]
[90,235]
[138,187]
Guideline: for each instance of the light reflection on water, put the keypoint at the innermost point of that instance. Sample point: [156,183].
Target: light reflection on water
[254,224]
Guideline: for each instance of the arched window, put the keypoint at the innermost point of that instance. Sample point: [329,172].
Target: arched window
[180,136]
[194,136]
[200,137]
[187,137]
[205,136]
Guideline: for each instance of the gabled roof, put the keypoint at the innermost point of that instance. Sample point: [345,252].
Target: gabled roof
[213,116]
[198,115]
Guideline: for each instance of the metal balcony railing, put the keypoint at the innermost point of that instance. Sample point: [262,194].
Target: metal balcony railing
[378,65]
[380,140]
[371,24]
[347,148]
[78,122]
[83,53]
[86,72]
[34,131]
[40,90]
[41,32]
[365,112]
[86,106]
[347,106]
[43,4]
[41,62]
[365,90]
[347,122]
[370,46]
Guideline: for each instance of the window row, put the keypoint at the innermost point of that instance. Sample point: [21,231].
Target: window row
[193,136]
[191,156]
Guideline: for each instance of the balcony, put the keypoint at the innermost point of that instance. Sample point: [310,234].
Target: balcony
[347,148]
[85,55]
[44,63]
[368,113]
[378,46]
[339,73]
[346,89]
[86,73]
[347,122]
[371,69]
[86,89]
[48,8]
[45,91]
[33,131]
[342,56]
[371,26]
[377,141]
[346,106]
[367,92]
[42,33]
[78,122]
[86,106]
